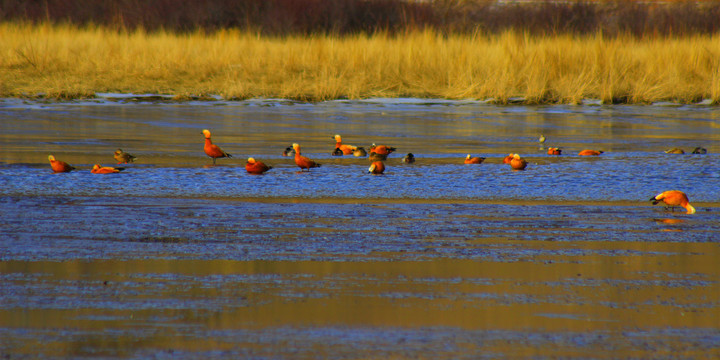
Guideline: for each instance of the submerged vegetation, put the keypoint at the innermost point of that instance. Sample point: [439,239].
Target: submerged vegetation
[669,53]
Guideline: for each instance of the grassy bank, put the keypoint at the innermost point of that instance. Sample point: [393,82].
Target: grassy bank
[68,62]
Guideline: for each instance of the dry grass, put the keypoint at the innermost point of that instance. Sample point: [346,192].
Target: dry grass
[68,62]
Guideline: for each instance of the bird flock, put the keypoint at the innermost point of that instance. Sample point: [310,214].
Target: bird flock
[378,155]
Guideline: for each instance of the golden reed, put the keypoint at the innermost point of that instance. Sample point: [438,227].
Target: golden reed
[66,61]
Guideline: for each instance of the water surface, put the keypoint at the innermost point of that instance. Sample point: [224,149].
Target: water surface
[173,258]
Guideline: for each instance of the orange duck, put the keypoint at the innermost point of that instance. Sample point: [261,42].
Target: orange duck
[554,151]
[346,149]
[377,167]
[673,198]
[473,160]
[508,159]
[518,163]
[213,150]
[302,161]
[256,167]
[590,152]
[59,166]
[382,149]
[97,169]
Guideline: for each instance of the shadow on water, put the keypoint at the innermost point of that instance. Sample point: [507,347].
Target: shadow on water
[437,259]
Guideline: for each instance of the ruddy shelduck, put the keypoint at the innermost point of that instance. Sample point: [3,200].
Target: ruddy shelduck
[123,157]
[256,167]
[508,159]
[699,150]
[97,169]
[382,149]
[213,150]
[59,166]
[675,151]
[587,152]
[377,167]
[409,158]
[541,139]
[673,198]
[473,160]
[554,151]
[346,149]
[518,163]
[302,161]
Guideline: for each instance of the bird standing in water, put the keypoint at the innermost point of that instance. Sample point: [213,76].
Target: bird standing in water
[123,157]
[409,158]
[59,166]
[302,161]
[673,198]
[213,150]
[377,167]
[518,163]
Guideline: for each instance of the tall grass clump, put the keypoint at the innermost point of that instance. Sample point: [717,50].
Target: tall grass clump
[67,61]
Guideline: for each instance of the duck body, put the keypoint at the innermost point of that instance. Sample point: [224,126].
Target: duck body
[675,151]
[554,151]
[382,149]
[409,158]
[699,150]
[377,157]
[213,150]
[474,160]
[359,151]
[59,166]
[673,198]
[518,163]
[256,167]
[97,169]
[508,159]
[377,167]
[123,158]
[337,152]
[587,152]
[303,162]
[345,149]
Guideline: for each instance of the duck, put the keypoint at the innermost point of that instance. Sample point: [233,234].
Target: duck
[289,151]
[59,166]
[699,150]
[256,167]
[508,159]
[97,169]
[123,157]
[673,198]
[554,151]
[541,139]
[675,151]
[473,160]
[377,157]
[382,149]
[302,161]
[359,151]
[518,163]
[213,150]
[377,167]
[409,158]
[345,149]
[587,152]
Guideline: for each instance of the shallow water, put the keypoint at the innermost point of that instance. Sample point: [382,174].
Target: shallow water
[437,259]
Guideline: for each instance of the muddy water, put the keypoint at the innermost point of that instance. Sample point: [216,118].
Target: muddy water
[173,258]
